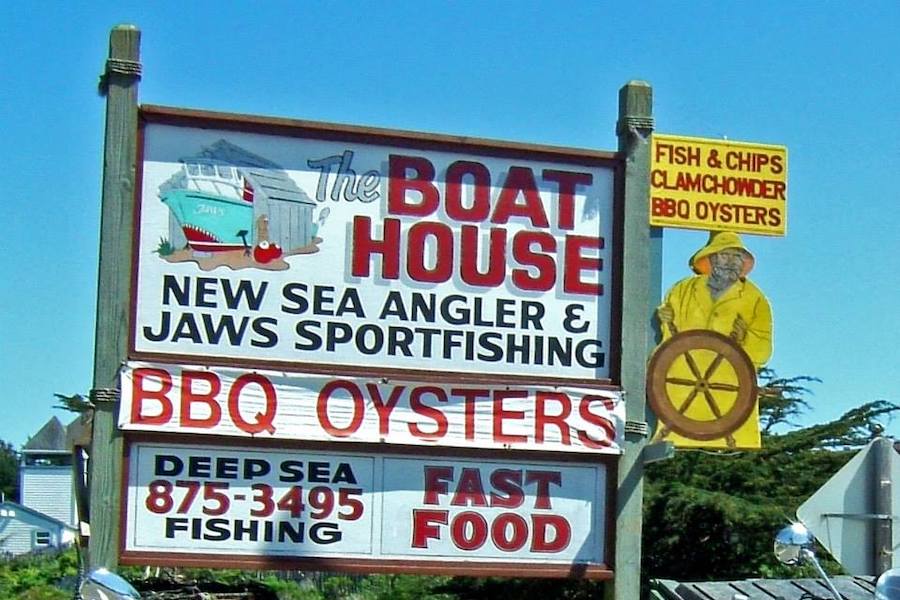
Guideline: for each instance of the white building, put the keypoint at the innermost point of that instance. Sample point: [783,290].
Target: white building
[46,516]
[24,530]
[45,475]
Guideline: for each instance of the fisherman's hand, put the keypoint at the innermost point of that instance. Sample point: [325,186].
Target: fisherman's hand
[739,330]
[665,313]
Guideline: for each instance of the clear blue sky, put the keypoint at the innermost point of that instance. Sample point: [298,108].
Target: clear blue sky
[818,77]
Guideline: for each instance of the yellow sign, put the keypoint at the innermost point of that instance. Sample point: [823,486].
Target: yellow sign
[718,185]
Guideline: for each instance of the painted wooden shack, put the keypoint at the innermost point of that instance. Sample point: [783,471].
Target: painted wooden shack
[281,211]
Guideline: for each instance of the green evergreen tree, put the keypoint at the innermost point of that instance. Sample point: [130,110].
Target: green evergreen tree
[713,515]
[9,471]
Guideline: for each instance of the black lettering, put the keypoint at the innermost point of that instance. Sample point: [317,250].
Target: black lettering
[199,466]
[256,467]
[174,525]
[205,289]
[181,293]
[310,340]
[319,472]
[187,328]
[217,530]
[226,323]
[394,307]
[245,288]
[291,471]
[163,329]
[343,474]
[227,468]
[325,533]
[166,464]
[269,336]
[350,303]
[293,292]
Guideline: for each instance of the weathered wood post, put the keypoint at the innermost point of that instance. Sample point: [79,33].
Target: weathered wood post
[642,254]
[119,84]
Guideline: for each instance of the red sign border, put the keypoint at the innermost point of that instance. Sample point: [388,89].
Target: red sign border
[182,117]
[474,567]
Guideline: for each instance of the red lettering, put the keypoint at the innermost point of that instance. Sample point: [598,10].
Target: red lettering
[576,263]
[425,524]
[508,482]
[364,246]
[509,531]
[436,480]
[421,183]
[322,408]
[469,490]
[470,397]
[501,415]
[568,183]
[139,394]
[469,531]
[542,419]
[774,217]
[541,524]
[415,403]
[468,260]
[189,397]
[601,421]
[520,180]
[481,199]
[545,276]
[384,410]
[518,532]
[777,165]
[263,420]
[443,252]
[543,480]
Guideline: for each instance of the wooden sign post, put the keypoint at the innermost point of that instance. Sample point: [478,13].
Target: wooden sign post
[119,84]
[640,292]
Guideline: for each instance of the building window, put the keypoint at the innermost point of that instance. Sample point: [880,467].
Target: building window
[41,538]
[48,460]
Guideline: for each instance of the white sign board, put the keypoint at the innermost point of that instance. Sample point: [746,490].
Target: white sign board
[843,515]
[295,406]
[236,504]
[294,251]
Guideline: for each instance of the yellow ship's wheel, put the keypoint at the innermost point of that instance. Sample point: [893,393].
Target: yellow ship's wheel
[701,385]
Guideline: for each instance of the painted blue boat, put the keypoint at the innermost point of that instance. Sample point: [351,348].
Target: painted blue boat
[213,204]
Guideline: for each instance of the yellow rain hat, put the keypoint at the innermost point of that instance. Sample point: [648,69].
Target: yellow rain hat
[720,240]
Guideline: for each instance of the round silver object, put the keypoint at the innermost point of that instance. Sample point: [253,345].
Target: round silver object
[791,542]
[102,584]
[888,585]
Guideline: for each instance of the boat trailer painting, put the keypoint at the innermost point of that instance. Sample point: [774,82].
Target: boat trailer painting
[230,207]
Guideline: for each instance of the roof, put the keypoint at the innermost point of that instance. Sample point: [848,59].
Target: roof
[51,437]
[266,176]
[21,508]
[851,588]
[56,437]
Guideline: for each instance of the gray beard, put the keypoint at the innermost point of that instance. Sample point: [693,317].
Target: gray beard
[719,283]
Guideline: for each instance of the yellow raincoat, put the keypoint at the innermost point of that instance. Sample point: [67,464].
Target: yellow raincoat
[695,308]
